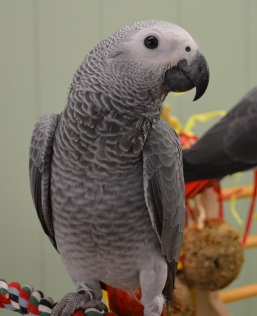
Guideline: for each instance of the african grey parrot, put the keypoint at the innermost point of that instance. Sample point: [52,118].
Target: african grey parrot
[228,147]
[106,174]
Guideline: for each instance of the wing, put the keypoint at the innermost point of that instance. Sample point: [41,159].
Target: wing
[39,170]
[229,146]
[164,190]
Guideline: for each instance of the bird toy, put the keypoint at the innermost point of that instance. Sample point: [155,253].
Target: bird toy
[26,301]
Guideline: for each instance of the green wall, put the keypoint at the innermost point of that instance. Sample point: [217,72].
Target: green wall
[41,45]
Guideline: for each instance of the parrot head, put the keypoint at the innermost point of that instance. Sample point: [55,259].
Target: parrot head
[142,62]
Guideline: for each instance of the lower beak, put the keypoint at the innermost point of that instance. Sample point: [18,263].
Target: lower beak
[185,76]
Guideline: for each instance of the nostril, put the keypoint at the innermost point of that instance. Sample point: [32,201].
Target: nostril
[188,49]
[200,68]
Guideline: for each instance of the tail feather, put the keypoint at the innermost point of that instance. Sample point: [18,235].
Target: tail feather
[169,286]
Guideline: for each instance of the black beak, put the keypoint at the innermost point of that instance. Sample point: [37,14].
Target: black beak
[184,76]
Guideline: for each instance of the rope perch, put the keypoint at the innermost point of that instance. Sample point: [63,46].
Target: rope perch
[26,301]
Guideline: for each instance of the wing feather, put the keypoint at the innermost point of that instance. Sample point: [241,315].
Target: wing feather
[40,169]
[164,190]
[227,147]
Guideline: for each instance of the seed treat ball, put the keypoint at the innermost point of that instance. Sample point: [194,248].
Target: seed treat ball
[213,256]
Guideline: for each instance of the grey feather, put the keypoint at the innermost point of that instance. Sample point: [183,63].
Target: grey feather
[40,170]
[164,188]
[229,146]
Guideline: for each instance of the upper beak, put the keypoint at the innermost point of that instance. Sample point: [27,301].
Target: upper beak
[185,76]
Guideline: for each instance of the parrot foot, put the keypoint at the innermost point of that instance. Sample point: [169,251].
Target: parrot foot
[76,301]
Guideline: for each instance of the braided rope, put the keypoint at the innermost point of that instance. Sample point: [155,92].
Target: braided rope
[26,301]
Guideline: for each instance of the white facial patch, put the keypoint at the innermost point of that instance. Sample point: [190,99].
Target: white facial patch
[172,44]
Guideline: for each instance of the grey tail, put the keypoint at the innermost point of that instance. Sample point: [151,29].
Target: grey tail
[169,286]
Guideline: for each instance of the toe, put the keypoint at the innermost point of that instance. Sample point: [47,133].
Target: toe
[69,304]
[73,302]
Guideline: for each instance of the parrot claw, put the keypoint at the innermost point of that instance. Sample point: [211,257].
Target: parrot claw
[76,301]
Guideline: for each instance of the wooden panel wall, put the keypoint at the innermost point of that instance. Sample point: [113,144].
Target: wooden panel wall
[41,45]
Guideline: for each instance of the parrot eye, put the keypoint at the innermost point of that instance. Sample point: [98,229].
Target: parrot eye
[151,42]
[188,49]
